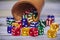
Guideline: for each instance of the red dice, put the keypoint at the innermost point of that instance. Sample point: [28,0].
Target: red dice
[20,23]
[27,12]
[15,31]
[48,22]
[33,32]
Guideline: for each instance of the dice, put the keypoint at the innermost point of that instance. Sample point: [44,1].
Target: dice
[50,19]
[29,17]
[53,18]
[9,28]
[27,11]
[54,26]
[51,33]
[48,22]
[17,24]
[34,24]
[25,31]
[16,31]
[24,22]
[40,30]
[35,19]
[33,32]
[10,20]
[42,23]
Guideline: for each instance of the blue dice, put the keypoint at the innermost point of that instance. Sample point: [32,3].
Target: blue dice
[10,20]
[9,28]
[24,22]
[34,24]
[53,18]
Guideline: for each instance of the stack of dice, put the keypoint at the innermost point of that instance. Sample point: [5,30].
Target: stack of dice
[50,21]
[41,26]
[9,20]
[29,25]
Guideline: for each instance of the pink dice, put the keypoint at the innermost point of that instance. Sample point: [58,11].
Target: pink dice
[48,22]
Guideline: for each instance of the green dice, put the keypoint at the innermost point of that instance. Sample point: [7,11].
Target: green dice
[42,23]
[40,30]
[10,22]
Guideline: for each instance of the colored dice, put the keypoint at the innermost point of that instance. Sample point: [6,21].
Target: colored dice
[42,23]
[48,22]
[35,19]
[40,30]
[50,19]
[15,31]
[29,17]
[33,32]
[17,24]
[34,24]
[53,18]
[54,26]
[10,20]
[9,28]
[24,22]
[51,33]
[25,31]
[27,11]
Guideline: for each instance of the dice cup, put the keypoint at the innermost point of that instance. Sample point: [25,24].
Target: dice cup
[22,5]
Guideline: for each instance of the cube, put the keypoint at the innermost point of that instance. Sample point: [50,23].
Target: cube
[33,32]
[54,26]
[40,30]
[25,31]
[34,24]
[51,33]
[48,22]
[42,23]
[16,31]
[50,19]
[24,22]
[9,29]
[17,24]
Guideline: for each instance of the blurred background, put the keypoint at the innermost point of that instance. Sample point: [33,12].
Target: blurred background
[51,7]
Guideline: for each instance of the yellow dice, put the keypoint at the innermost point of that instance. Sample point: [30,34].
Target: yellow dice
[54,26]
[51,33]
[25,31]
[35,19]
[15,24]
[29,19]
